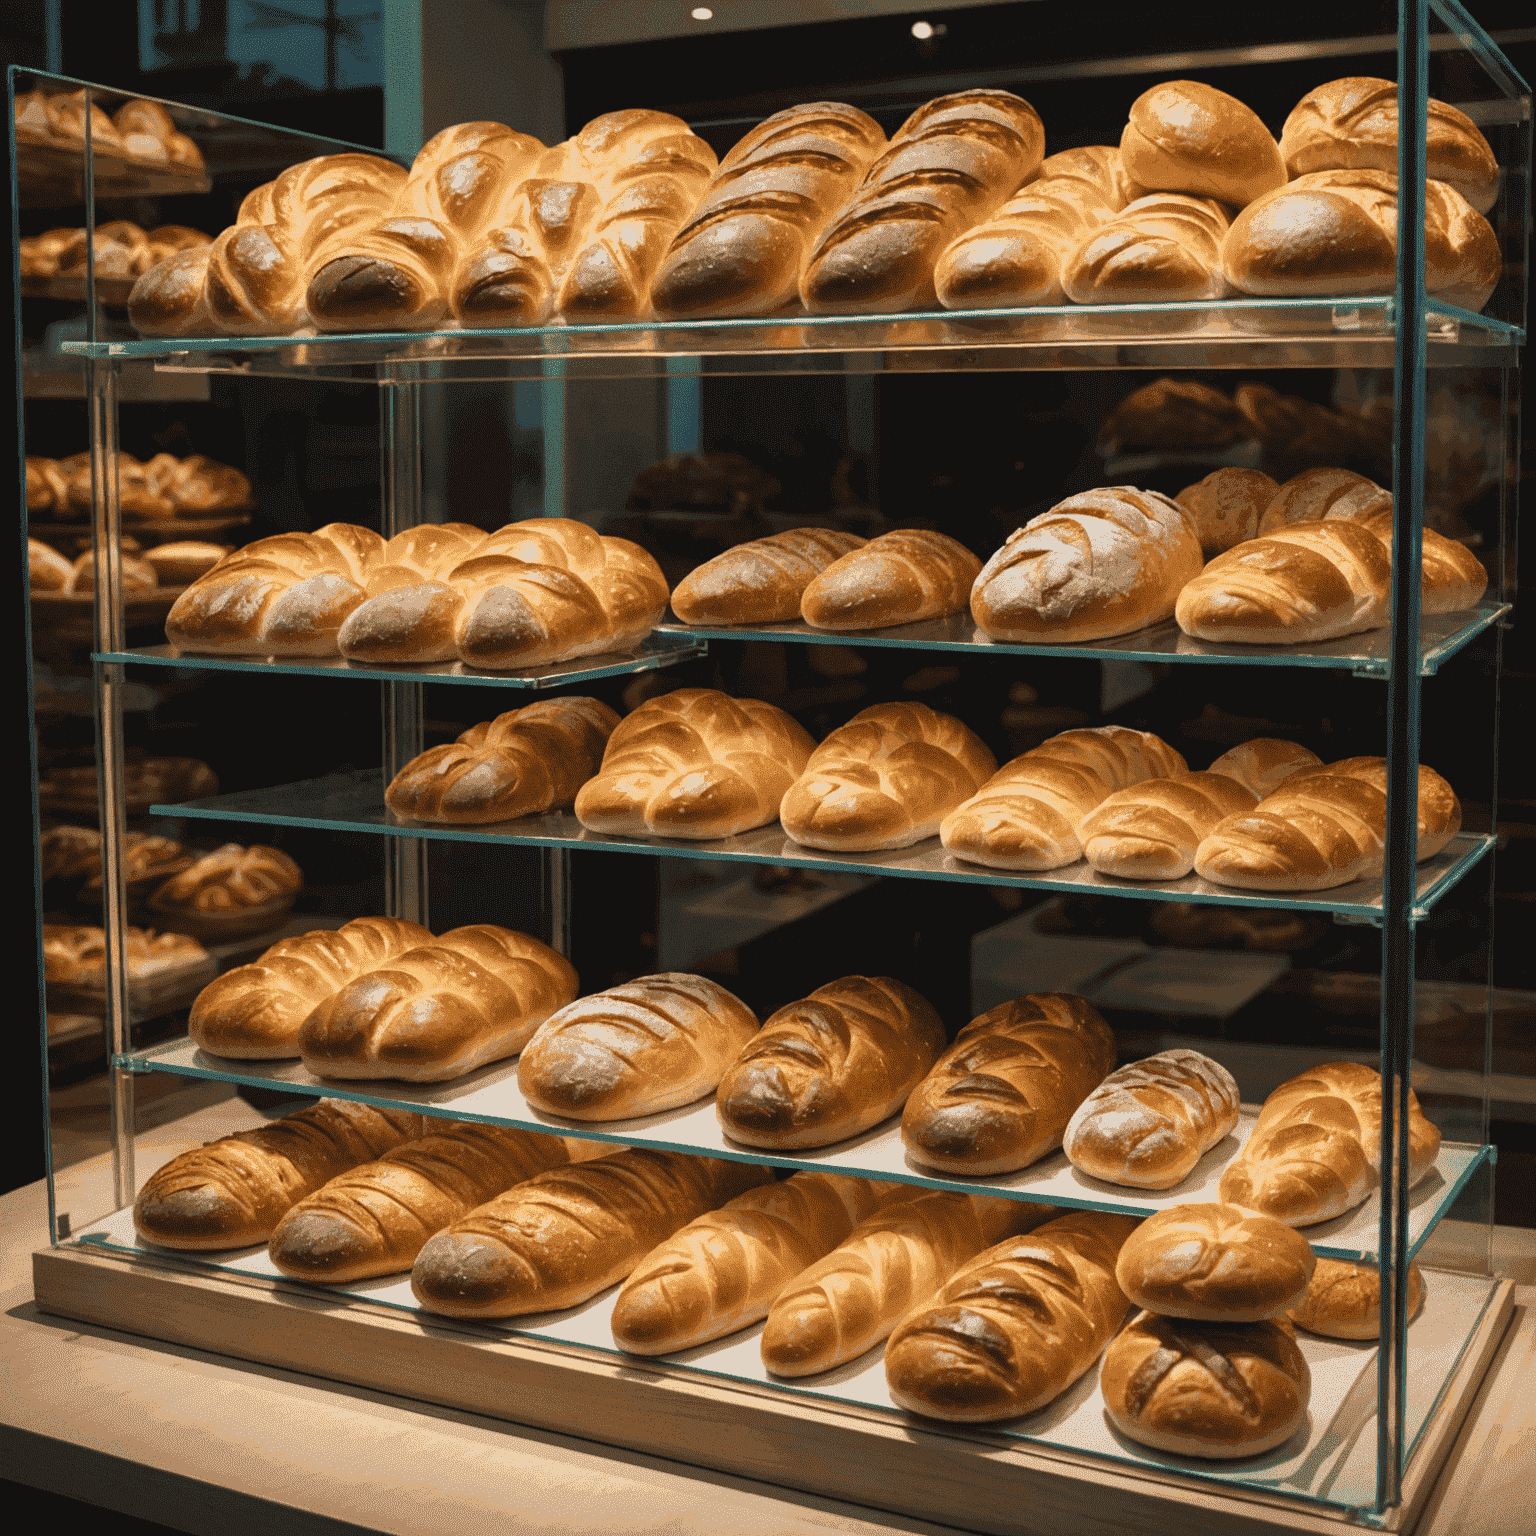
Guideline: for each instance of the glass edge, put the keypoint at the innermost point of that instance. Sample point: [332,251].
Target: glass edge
[1477,42]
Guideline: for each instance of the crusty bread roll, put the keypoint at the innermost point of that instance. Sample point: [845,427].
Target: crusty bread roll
[636,1049]
[894,1260]
[1147,1124]
[1151,830]
[1226,506]
[1016,1326]
[1214,1263]
[742,250]
[1265,763]
[721,1272]
[1187,137]
[761,582]
[373,1219]
[831,1065]
[255,1012]
[1165,248]
[521,763]
[1335,232]
[1351,125]
[1101,563]
[695,764]
[1318,493]
[47,569]
[232,1192]
[899,578]
[1025,817]
[885,780]
[562,1236]
[1316,1149]
[1343,1300]
[1001,1095]
[1217,1390]
[440,1010]
[953,162]
[1453,577]
[1323,828]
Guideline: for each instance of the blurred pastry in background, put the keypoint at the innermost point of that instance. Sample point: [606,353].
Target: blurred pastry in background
[230,892]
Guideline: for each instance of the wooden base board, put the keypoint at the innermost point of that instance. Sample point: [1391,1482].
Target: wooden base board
[970,1478]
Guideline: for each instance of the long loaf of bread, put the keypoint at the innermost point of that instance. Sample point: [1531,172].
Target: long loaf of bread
[899,578]
[761,582]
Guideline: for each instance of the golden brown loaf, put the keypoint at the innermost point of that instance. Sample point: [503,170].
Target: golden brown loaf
[885,780]
[1016,1326]
[1027,814]
[524,762]
[47,569]
[1165,248]
[720,1273]
[1214,1263]
[440,1010]
[232,891]
[1147,1124]
[1001,1095]
[894,1260]
[150,137]
[636,1049]
[255,1011]
[1351,125]
[1453,577]
[1151,830]
[1344,1300]
[566,1234]
[1226,507]
[231,1193]
[899,578]
[1323,492]
[742,250]
[1187,137]
[1264,763]
[1173,413]
[1335,232]
[831,1065]
[77,955]
[953,162]
[373,1219]
[761,582]
[136,575]
[695,764]
[1101,563]
[1316,1149]
[1216,1390]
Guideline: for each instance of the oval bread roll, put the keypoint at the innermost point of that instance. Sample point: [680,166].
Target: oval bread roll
[1151,831]
[899,578]
[1316,493]
[1187,137]
[1226,507]
[1265,763]
[1343,1300]
[1165,248]
[761,582]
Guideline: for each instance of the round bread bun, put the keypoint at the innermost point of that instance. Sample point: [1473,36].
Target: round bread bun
[1343,1300]
[1186,137]
[1226,506]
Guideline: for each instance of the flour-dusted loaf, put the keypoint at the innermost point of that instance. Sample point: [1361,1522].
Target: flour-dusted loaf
[636,1049]
[1184,136]
[760,582]
[1165,248]
[1227,506]
[831,1065]
[374,1219]
[231,1193]
[1343,1300]
[1101,563]
[695,764]
[1000,1097]
[721,1272]
[1147,1124]
[1152,830]
[440,1010]
[899,578]
[1016,1326]
[887,779]
[562,1236]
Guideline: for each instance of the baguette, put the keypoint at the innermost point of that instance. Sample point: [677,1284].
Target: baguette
[761,582]
[1152,830]
[900,578]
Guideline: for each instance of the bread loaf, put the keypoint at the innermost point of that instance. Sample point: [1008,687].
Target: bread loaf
[1343,1300]
[255,1012]
[1025,817]
[1016,1326]
[1165,248]
[231,1193]
[47,569]
[1151,831]
[183,561]
[720,1273]
[1187,137]
[1264,763]
[885,780]
[562,1236]
[232,891]
[1453,577]
[1172,413]
[899,578]
[1217,1390]
[440,1010]
[831,1065]
[522,763]
[694,764]
[1351,125]
[742,250]
[1101,563]
[1318,493]
[950,165]
[1316,1149]
[373,1219]
[636,1049]
[761,582]
[1147,1124]
[1001,1095]
[1226,507]
[894,1260]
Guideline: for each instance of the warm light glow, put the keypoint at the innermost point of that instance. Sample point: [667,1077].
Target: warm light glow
[702,13]
[921,30]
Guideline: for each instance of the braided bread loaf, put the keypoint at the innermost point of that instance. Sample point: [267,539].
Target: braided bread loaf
[1183,136]
[899,578]
[1165,248]
[761,582]
[1151,830]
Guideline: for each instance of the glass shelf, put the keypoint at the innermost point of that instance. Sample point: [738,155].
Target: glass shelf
[492,1095]
[353,801]
[1226,333]
[654,652]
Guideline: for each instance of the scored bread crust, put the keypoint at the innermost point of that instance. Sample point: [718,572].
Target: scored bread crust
[1165,248]
[1151,830]
[1226,506]
[760,582]
[900,578]
[1316,493]
[1183,136]
[1343,1300]
[1265,763]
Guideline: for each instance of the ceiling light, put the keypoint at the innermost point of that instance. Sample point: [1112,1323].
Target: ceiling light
[702,13]
[921,30]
